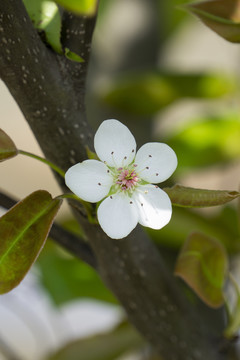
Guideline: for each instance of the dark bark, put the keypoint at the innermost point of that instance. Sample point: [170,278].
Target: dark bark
[50,92]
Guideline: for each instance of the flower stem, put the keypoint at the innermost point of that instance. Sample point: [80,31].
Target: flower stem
[45,161]
[70,196]
[87,206]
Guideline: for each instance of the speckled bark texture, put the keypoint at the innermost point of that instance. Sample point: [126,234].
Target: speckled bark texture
[50,91]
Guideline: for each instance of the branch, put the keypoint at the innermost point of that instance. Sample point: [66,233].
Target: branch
[39,80]
[69,241]
[76,35]
[74,244]
[132,268]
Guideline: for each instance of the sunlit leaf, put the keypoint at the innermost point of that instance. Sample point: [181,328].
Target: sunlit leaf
[7,147]
[23,231]
[191,197]
[222,16]
[46,17]
[82,7]
[206,141]
[202,264]
[73,56]
[106,346]
[66,278]
[142,94]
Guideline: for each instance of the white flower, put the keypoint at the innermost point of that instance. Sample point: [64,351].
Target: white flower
[122,179]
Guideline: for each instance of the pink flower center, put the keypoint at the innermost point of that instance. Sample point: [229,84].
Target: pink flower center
[127,179]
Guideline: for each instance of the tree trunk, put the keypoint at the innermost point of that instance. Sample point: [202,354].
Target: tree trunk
[50,91]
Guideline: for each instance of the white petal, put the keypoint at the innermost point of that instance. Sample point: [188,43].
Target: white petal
[114,143]
[89,180]
[154,206]
[155,162]
[117,216]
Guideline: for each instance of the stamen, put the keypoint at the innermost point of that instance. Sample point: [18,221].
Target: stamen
[123,160]
[99,184]
[157,174]
[131,202]
[114,162]
[147,167]
[150,155]
[111,197]
[141,191]
[127,179]
[141,170]
[141,204]
[133,150]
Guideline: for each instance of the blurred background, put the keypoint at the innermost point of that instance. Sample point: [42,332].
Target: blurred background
[166,76]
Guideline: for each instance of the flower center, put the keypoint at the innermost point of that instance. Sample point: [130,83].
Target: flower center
[127,178]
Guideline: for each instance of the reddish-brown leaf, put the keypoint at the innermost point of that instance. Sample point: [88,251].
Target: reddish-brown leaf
[23,231]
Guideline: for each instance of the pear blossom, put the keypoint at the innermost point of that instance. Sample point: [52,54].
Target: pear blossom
[122,180]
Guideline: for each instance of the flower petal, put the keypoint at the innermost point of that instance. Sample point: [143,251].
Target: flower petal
[89,180]
[117,215]
[114,143]
[154,206]
[155,162]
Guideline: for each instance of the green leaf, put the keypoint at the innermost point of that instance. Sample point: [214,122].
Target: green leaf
[145,93]
[202,264]
[66,278]
[222,16]
[73,56]
[191,197]
[107,346]
[82,7]
[7,147]
[23,231]
[46,17]
[206,141]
